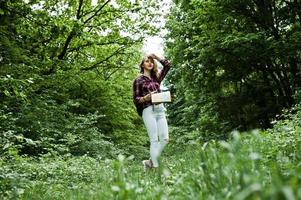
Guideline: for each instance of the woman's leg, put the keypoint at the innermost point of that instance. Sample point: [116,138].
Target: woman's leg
[162,129]
[150,123]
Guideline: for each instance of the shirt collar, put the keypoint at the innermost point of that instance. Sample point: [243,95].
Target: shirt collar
[146,77]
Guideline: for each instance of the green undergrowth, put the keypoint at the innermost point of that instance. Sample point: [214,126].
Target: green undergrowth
[252,165]
[244,168]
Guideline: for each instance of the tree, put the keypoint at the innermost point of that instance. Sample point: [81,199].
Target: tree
[66,74]
[240,57]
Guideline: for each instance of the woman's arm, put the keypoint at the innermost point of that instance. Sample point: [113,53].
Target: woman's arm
[137,93]
[166,66]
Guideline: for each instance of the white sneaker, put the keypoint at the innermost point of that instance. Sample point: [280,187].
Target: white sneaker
[147,164]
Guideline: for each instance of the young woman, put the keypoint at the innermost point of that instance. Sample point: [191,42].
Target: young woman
[153,114]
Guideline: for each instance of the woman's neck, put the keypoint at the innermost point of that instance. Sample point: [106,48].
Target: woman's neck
[147,73]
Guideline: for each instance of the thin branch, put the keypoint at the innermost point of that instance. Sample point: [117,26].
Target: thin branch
[106,77]
[102,61]
[122,11]
[29,18]
[96,13]
[98,44]
[71,35]
[79,9]
[64,51]
[114,11]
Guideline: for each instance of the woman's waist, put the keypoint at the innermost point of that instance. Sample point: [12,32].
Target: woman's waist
[157,106]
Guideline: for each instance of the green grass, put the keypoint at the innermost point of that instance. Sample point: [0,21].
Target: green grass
[251,166]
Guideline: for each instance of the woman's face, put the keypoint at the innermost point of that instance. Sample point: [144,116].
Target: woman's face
[148,64]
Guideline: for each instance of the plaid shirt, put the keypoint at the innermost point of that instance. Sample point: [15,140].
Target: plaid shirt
[143,85]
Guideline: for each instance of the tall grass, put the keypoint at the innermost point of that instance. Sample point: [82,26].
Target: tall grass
[243,168]
[253,165]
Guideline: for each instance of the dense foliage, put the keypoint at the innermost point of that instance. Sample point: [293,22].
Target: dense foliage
[237,62]
[68,126]
[66,75]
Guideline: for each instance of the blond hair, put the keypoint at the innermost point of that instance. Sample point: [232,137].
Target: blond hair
[154,71]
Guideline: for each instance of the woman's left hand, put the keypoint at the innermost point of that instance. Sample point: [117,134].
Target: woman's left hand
[154,56]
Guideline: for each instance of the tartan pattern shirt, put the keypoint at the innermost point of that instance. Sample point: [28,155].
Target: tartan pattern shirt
[143,85]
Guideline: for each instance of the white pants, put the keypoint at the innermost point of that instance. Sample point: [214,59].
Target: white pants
[156,125]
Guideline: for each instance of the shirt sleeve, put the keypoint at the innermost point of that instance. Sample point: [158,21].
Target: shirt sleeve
[136,92]
[166,66]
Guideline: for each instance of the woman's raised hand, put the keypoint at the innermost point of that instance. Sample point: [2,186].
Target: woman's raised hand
[154,56]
